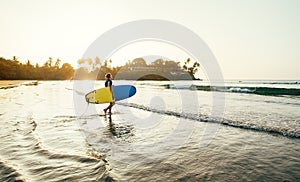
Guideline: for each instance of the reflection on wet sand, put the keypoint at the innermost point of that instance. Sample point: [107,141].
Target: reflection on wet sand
[123,131]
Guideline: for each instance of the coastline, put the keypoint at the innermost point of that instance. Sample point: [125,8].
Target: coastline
[6,84]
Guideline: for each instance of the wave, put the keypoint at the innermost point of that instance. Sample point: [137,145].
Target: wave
[288,132]
[260,82]
[268,91]
[40,162]
[8,173]
[271,82]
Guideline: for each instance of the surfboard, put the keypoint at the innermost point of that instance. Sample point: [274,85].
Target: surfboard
[104,95]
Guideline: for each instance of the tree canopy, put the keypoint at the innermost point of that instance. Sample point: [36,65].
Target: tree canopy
[137,69]
[92,69]
[15,70]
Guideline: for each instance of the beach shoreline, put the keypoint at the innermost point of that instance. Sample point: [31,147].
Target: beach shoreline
[7,84]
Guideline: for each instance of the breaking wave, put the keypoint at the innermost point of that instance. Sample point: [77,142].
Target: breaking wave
[269,91]
[288,132]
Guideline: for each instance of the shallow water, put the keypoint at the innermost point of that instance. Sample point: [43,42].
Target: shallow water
[49,133]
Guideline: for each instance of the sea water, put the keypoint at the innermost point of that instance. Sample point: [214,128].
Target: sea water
[168,131]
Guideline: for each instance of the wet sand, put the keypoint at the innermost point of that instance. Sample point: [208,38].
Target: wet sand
[6,84]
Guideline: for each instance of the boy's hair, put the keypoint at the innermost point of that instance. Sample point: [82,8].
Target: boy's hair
[108,75]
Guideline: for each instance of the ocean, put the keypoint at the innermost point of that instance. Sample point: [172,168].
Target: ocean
[245,130]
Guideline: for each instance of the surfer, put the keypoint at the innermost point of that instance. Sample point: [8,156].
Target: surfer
[108,83]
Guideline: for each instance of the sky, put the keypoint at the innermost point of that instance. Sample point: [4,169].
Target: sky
[251,39]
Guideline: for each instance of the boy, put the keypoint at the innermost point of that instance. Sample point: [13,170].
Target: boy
[108,83]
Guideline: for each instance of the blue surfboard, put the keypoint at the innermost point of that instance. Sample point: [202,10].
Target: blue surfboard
[103,95]
[123,91]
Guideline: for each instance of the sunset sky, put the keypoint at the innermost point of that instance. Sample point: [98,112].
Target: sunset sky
[251,39]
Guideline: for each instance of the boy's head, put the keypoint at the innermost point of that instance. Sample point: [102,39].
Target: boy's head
[108,75]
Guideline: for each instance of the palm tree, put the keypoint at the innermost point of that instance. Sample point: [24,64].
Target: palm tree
[191,68]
